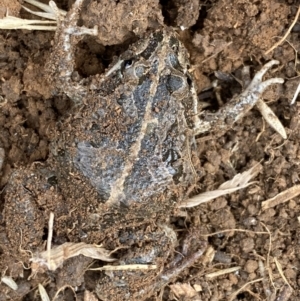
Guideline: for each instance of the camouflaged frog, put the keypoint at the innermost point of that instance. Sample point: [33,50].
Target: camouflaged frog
[122,159]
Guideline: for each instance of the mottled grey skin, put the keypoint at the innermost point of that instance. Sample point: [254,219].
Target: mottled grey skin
[123,157]
[149,152]
[132,142]
[135,139]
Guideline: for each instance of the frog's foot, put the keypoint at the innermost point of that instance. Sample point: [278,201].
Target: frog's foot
[70,22]
[191,251]
[177,265]
[62,60]
[239,106]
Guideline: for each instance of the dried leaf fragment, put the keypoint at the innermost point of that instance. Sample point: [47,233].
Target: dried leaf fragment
[271,118]
[65,251]
[88,296]
[10,22]
[239,181]
[184,291]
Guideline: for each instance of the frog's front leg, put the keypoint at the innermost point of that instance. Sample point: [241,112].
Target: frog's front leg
[240,105]
[61,64]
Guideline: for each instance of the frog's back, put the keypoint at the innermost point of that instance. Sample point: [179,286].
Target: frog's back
[133,143]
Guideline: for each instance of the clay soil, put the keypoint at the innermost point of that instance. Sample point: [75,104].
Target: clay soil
[222,36]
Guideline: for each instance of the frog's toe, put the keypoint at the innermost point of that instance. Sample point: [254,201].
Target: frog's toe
[258,85]
[259,75]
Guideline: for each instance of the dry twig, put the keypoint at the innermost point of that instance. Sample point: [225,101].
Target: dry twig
[281,197]
[222,272]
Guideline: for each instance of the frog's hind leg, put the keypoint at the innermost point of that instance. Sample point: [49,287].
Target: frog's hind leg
[62,59]
[240,105]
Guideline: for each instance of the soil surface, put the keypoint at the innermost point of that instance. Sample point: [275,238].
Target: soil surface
[222,36]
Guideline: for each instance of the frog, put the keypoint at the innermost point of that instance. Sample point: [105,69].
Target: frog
[121,159]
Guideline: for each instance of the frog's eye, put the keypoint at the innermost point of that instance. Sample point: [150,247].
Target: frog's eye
[128,63]
[127,69]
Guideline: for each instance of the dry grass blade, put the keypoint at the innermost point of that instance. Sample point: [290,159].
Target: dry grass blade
[265,285]
[49,238]
[9,282]
[49,16]
[233,229]
[126,267]
[222,272]
[240,181]
[43,293]
[271,118]
[286,34]
[10,22]
[279,268]
[65,251]
[46,8]
[295,95]
[281,197]
[49,12]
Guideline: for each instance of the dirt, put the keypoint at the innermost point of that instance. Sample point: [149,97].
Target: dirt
[221,36]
